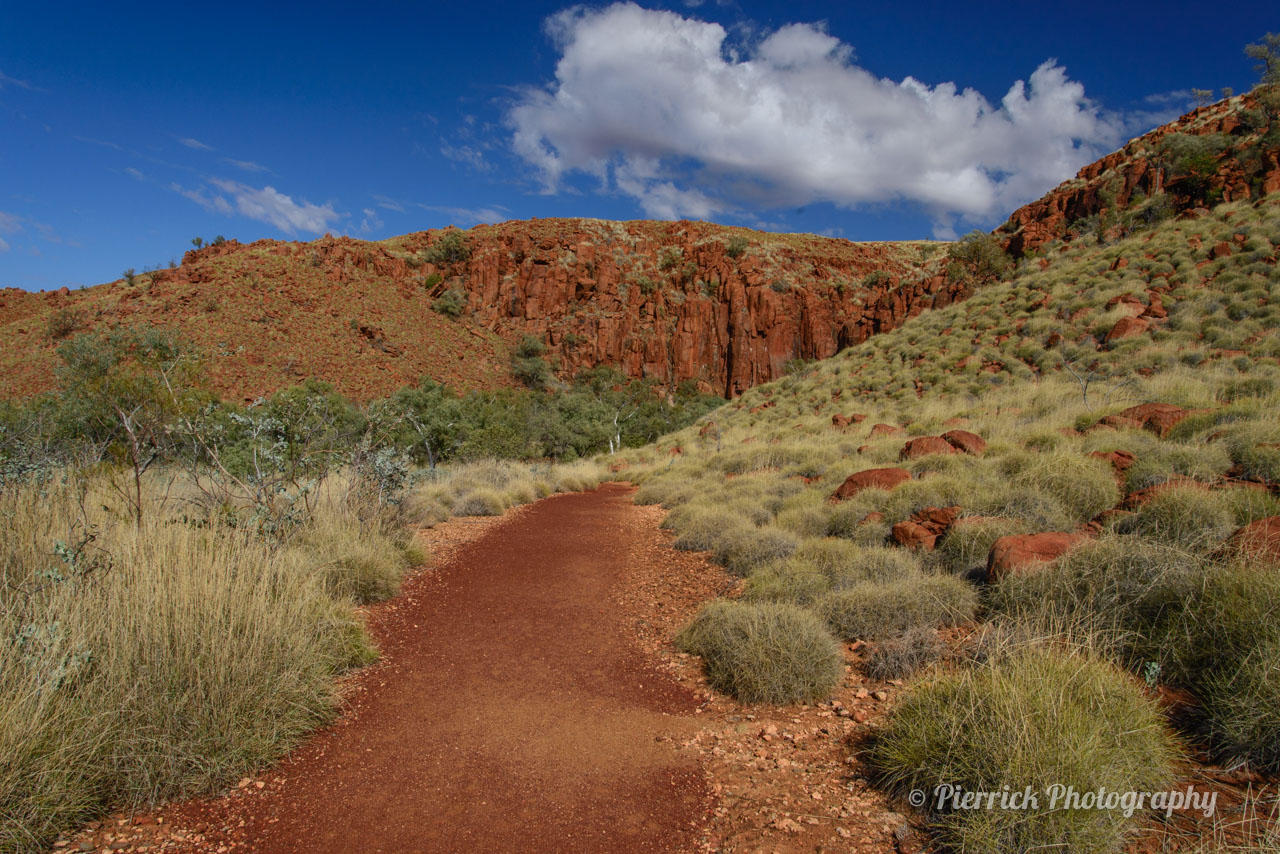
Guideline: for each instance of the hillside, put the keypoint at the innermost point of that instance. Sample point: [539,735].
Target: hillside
[724,307]
[1075,475]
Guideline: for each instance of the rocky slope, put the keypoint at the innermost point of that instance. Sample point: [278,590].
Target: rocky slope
[1243,164]
[726,308]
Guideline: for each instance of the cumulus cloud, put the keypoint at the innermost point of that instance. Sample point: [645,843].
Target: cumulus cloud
[662,108]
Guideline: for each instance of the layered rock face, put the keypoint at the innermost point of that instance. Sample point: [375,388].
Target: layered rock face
[681,301]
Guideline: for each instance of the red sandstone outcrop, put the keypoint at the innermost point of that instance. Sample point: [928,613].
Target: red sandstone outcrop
[1136,170]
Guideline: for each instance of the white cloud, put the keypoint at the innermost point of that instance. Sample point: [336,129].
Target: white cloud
[660,108]
[4,245]
[194,143]
[209,201]
[247,165]
[10,223]
[467,154]
[134,173]
[371,221]
[6,80]
[269,205]
[471,216]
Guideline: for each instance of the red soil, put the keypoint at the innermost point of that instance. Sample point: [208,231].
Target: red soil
[513,710]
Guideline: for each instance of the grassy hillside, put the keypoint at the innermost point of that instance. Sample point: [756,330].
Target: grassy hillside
[1053,370]
[666,301]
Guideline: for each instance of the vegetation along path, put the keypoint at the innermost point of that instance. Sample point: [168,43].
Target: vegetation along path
[510,712]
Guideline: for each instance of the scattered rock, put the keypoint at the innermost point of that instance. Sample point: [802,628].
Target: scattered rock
[1177,481]
[886,478]
[924,446]
[1260,539]
[923,529]
[913,535]
[886,430]
[1119,460]
[1021,552]
[1159,418]
[1128,327]
[966,442]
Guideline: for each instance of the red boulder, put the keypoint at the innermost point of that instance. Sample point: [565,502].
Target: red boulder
[1260,539]
[885,430]
[1021,552]
[969,443]
[886,478]
[924,446]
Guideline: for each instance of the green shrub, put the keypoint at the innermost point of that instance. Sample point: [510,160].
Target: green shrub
[700,528]
[898,658]
[480,502]
[1242,706]
[1258,462]
[356,561]
[1186,517]
[874,563]
[834,558]
[791,581]
[1032,719]
[1128,593]
[1084,486]
[744,549]
[764,652]
[982,252]
[448,249]
[198,654]
[735,246]
[877,611]
[451,303]
[1228,642]
[1200,461]
[968,543]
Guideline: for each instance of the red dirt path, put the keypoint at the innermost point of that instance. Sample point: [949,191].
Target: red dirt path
[510,712]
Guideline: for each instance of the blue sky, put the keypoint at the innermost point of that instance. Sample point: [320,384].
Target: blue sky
[128,129]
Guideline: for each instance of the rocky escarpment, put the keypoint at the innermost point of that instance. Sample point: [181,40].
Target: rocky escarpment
[724,308]
[685,301]
[1244,164]
[675,302]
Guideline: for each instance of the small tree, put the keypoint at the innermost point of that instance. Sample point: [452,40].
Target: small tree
[1202,96]
[981,252]
[130,388]
[1267,53]
[197,242]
